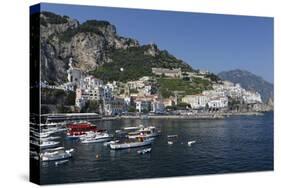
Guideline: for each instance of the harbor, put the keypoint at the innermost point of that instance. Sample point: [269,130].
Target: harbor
[122,148]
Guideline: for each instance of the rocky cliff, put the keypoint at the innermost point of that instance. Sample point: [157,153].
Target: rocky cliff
[91,44]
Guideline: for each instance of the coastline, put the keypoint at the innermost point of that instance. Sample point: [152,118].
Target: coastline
[212,116]
[96,117]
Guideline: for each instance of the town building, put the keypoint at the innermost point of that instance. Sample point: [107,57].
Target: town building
[157,107]
[90,82]
[169,102]
[97,94]
[252,97]
[107,93]
[174,73]
[138,84]
[143,105]
[218,103]
[114,107]
[196,101]
[81,98]
[74,75]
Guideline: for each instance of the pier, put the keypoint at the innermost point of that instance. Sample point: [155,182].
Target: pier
[70,117]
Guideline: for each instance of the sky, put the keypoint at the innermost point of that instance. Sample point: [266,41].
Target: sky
[210,42]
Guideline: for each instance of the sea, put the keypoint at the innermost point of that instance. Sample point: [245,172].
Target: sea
[231,145]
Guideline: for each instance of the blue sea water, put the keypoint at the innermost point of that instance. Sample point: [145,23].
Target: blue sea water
[234,144]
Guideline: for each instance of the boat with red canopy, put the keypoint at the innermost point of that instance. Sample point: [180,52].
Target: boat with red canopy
[78,129]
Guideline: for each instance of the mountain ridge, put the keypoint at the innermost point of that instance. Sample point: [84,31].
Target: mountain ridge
[249,81]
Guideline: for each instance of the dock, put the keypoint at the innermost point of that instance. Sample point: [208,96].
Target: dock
[70,117]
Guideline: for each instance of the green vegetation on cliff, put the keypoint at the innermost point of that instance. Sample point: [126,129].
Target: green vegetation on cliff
[133,63]
[184,87]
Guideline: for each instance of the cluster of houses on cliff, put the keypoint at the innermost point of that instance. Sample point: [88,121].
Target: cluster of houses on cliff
[141,95]
[218,97]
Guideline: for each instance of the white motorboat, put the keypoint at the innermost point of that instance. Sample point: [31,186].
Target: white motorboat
[191,142]
[44,144]
[56,154]
[146,132]
[48,144]
[41,134]
[144,151]
[170,142]
[172,138]
[132,144]
[96,137]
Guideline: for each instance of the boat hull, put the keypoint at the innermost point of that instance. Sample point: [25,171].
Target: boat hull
[96,140]
[144,136]
[56,158]
[131,145]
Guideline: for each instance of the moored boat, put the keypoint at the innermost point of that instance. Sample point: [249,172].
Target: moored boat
[56,154]
[172,138]
[41,134]
[96,137]
[45,144]
[191,142]
[144,151]
[132,143]
[76,130]
[146,132]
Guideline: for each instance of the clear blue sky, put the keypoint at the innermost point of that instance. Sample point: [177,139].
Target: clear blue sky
[205,41]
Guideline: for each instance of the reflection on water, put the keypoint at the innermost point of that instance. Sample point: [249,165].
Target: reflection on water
[236,144]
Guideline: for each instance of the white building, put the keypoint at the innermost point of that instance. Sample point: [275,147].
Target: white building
[196,101]
[218,102]
[252,97]
[142,105]
[157,107]
[90,82]
[127,101]
[174,73]
[74,75]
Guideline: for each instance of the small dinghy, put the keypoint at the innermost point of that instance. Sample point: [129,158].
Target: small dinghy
[143,151]
[191,142]
[170,142]
[172,138]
